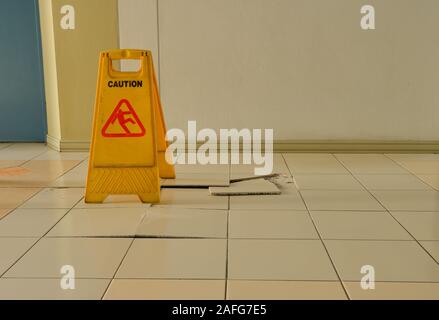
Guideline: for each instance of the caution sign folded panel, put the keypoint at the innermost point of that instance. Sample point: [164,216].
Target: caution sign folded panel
[128,143]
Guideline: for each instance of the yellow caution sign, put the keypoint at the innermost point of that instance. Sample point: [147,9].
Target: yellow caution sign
[128,147]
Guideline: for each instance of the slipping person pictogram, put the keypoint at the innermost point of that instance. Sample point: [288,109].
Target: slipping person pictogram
[122,118]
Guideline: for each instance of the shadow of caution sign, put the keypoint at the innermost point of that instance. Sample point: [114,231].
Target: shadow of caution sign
[128,148]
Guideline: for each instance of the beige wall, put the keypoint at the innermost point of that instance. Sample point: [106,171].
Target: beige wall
[139,28]
[304,68]
[71,57]
[50,72]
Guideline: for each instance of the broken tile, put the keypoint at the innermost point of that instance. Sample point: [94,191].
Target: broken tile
[22,151]
[198,180]
[198,168]
[252,187]
[191,199]
[115,201]
[432,248]
[180,222]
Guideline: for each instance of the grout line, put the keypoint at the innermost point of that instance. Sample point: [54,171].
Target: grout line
[117,269]
[321,239]
[63,174]
[22,203]
[215,279]
[410,173]
[390,213]
[16,261]
[33,158]
[8,146]
[227,251]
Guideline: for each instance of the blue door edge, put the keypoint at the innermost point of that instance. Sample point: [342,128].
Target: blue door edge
[43,134]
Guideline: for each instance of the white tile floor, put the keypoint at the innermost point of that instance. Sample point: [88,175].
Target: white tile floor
[344,211]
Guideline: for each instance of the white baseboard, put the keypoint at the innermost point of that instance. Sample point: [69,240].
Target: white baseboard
[300,146]
[53,143]
[67,145]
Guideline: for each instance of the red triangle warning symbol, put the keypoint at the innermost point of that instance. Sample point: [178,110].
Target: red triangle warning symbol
[123,122]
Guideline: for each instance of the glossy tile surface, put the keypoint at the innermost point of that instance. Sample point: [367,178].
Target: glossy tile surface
[11,198]
[432,248]
[147,289]
[244,188]
[340,200]
[370,164]
[336,214]
[314,164]
[291,201]
[55,198]
[284,290]
[279,260]
[12,249]
[175,259]
[90,257]
[190,223]
[30,222]
[4,213]
[271,224]
[114,201]
[408,200]
[217,179]
[41,173]
[396,261]
[326,182]
[191,199]
[50,289]
[394,291]
[422,225]
[431,179]
[359,225]
[392,182]
[105,222]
